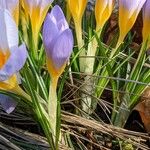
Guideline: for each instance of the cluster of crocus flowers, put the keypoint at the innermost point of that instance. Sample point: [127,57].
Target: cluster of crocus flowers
[103,10]
[58,43]
[12,57]
[35,11]
[128,12]
[12,6]
[146,22]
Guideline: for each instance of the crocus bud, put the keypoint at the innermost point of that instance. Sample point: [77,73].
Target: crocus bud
[77,8]
[128,12]
[103,10]
[58,41]
[36,10]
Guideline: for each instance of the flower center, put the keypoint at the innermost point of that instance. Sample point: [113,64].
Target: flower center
[3,58]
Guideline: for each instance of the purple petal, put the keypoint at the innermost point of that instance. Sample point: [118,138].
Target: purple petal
[54,24]
[62,49]
[146,11]
[58,18]
[57,37]
[131,6]
[50,31]
[7,103]
[15,62]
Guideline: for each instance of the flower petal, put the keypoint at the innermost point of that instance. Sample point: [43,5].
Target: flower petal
[45,3]
[58,18]
[54,24]
[8,30]
[77,8]
[131,6]
[103,10]
[50,31]
[128,12]
[15,62]
[7,103]
[146,21]
[33,4]
[62,49]
[9,84]
[9,4]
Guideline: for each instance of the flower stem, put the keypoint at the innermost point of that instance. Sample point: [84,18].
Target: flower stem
[80,42]
[52,105]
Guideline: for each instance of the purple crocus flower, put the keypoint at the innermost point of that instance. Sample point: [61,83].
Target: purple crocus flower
[58,41]
[12,57]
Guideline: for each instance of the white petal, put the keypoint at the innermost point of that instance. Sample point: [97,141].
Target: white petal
[8,31]
[9,4]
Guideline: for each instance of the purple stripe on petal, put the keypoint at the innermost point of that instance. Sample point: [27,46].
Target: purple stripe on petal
[7,103]
[62,49]
[15,62]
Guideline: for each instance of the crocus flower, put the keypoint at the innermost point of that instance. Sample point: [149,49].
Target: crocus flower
[103,10]
[146,21]
[12,57]
[77,8]
[128,12]
[36,10]
[12,6]
[58,41]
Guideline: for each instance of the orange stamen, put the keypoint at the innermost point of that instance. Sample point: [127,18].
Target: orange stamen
[3,58]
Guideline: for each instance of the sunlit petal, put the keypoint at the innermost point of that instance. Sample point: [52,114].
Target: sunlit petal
[62,49]
[128,12]
[15,62]
[8,30]
[77,8]
[36,10]
[12,6]
[103,10]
